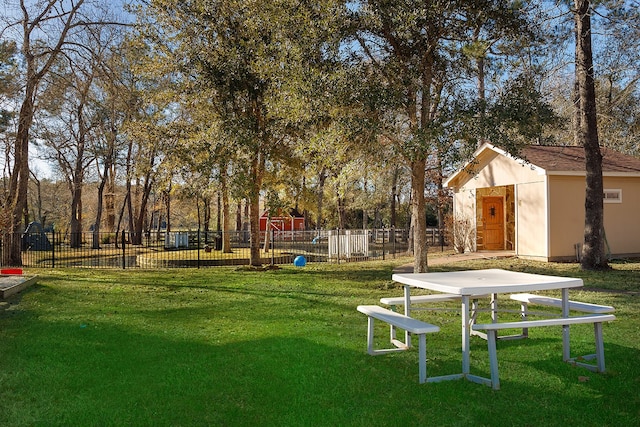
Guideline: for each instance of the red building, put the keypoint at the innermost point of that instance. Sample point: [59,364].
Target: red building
[292,221]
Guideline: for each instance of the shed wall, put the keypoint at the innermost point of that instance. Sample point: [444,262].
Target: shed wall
[621,220]
[549,209]
[464,203]
[494,170]
[531,219]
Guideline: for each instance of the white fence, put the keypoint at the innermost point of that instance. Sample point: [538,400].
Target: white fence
[175,240]
[350,244]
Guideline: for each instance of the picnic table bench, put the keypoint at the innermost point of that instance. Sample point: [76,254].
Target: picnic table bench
[419,299]
[586,307]
[525,299]
[397,320]
[597,320]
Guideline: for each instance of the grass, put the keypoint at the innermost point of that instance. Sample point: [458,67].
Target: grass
[227,346]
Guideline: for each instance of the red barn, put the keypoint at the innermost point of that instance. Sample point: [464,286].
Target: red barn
[292,221]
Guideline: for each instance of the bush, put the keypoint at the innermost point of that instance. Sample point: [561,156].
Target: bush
[460,232]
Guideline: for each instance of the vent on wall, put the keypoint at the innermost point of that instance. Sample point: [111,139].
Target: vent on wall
[612,196]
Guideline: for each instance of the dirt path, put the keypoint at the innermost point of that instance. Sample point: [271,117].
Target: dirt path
[408,268]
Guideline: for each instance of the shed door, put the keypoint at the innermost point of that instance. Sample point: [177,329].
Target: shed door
[493,215]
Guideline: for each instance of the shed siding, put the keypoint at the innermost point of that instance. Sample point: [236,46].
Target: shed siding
[621,220]
[531,235]
[465,206]
[566,212]
[497,170]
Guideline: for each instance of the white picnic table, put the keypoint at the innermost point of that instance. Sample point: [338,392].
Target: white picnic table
[472,283]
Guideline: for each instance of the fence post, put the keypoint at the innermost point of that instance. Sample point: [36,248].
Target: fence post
[198,243]
[383,233]
[124,260]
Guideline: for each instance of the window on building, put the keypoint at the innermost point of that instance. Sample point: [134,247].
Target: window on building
[613,196]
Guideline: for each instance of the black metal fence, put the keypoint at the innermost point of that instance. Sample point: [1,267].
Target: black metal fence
[199,249]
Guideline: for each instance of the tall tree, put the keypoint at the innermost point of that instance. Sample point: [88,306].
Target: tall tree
[45,29]
[401,46]
[410,54]
[243,53]
[616,58]
[593,250]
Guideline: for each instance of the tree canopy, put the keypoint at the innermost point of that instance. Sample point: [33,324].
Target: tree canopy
[327,106]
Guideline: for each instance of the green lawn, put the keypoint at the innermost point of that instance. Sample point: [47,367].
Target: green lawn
[227,346]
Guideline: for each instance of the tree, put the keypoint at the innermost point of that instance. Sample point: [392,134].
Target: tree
[411,57]
[616,57]
[56,20]
[111,112]
[593,250]
[244,54]
[67,131]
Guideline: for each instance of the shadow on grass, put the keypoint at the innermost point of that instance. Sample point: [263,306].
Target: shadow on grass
[95,374]
[278,348]
[65,373]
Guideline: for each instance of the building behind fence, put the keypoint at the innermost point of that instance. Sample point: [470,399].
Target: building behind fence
[42,249]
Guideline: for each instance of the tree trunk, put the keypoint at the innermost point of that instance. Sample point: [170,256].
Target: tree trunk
[418,213]
[218,211]
[226,212]
[410,227]
[129,193]
[207,217]
[141,211]
[77,178]
[392,204]
[239,216]
[322,178]
[257,172]
[76,218]
[125,203]
[593,250]
[19,178]
[96,225]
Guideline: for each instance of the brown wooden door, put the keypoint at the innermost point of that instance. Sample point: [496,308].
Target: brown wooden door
[493,215]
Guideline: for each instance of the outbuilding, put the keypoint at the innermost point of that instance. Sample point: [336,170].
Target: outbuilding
[534,204]
[281,221]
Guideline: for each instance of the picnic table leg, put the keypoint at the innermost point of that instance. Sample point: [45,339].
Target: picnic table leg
[493,359]
[370,340]
[524,313]
[407,312]
[494,308]
[466,333]
[566,345]
[597,328]
[422,358]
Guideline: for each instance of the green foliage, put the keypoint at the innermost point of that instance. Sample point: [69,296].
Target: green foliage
[518,116]
[8,79]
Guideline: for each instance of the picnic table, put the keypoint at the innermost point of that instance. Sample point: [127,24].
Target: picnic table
[474,283]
